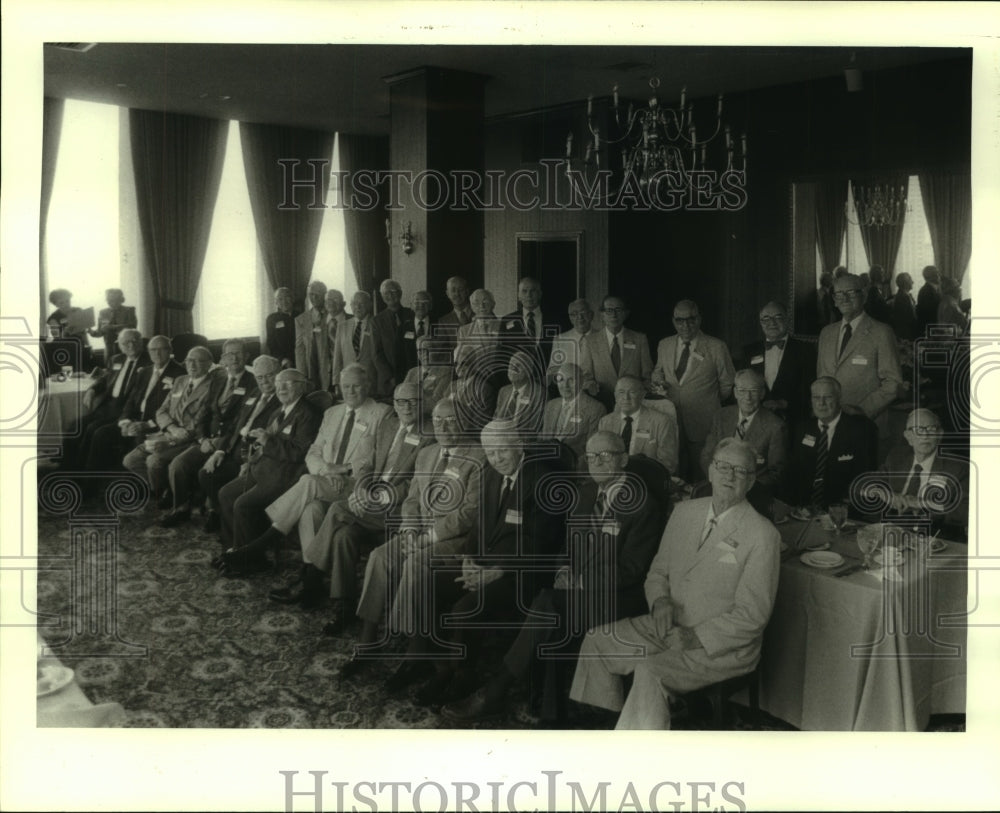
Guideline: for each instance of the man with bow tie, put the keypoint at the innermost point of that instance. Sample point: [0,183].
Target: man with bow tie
[312,344]
[213,423]
[176,420]
[359,342]
[390,323]
[710,591]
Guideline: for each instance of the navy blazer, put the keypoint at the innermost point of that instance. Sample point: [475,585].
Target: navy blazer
[282,458]
[796,374]
[132,410]
[853,451]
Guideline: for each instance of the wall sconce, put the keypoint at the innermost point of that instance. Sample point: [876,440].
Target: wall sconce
[406,238]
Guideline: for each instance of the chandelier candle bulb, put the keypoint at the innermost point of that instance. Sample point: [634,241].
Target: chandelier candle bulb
[729,139]
[615,94]
[597,140]
[569,146]
[684,91]
[590,106]
[718,112]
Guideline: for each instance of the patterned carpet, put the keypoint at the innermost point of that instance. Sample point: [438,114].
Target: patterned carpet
[218,653]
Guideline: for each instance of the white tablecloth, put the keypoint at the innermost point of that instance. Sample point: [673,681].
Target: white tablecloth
[60,405]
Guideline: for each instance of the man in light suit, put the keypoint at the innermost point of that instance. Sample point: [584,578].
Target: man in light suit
[523,399]
[177,421]
[566,346]
[432,375]
[279,458]
[359,342]
[343,450]
[830,451]
[861,354]
[613,352]
[389,323]
[336,315]
[748,421]
[574,416]
[787,364]
[695,371]
[710,591]
[312,349]
[646,431]
[482,331]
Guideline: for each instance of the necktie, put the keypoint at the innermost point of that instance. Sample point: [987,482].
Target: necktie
[356,339]
[190,389]
[437,487]
[228,391]
[741,430]
[779,343]
[846,339]
[601,506]
[313,371]
[392,457]
[708,530]
[121,382]
[682,365]
[616,355]
[531,324]
[258,408]
[913,487]
[396,318]
[504,494]
[627,433]
[345,436]
[820,474]
[563,423]
[153,379]
[420,328]
[510,408]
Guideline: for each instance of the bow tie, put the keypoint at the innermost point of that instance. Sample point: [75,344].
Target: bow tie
[780,344]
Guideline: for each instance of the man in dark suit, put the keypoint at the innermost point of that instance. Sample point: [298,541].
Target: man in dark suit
[152,385]
[928,299]
[830,451]
[105,398]
[412,332]
[876,304]
[612,538]
[904,309]
[523,329]
[787,364]
[213,423]
[389,323]
[267,474]
[457,290]
[231,450]
[279,329]
[112,320]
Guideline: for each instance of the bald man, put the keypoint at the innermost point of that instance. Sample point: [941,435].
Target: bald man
[566,346]
[359,341]
[312,347]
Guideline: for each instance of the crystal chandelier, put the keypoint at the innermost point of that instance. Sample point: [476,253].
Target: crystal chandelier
[658,145]
[879,205]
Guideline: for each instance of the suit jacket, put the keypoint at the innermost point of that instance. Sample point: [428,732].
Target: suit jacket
[405,352]
[796,372]
[111,322]
[928,299]
[389,332]
[279,336]
[310,332]
[475,402]
[595,358]
[723,588]
[583,420]
[433,382]
[904,316]
[868,370]
[767,433]
[947,485]
[707,381]
[398,472]
[234,440]
[133,409]
[183,408]
[370,355]
[104,385]
[282,458]
[654,434]
[514,331]
[527,413]
[360,452]
[217,415]
[876,306]
[852,452]
[448,502]
[566,347]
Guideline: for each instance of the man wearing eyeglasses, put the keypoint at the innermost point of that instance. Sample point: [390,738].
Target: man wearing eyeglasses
[787,364]
[613,352]
[566,346]
[861,354]
[646,431]
[710,590]
[695,371]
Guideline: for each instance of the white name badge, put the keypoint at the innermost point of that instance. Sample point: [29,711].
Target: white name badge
[611,527]
[287,430]
[760,460]
[937,481]
[240,391]
[430,379]
[512,517]
[317,330]
[413,440]
[860,360]
[808,440]
[409,335]
[757,360]
[642,433]
[697,356]
[362,426]
[250,401]
[117,366]
[628,345]
[176,394]
[845,458]
[453,474]
[509,326]
[728,559]
[168,382]
[576,419]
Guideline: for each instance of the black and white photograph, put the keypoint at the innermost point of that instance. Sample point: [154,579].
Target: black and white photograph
[416,406]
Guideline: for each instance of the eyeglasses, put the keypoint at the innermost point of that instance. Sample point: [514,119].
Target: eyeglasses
[846,294]
[771,320]
[562,379]
[929,429]
[616,311]
[449,420]
[726,468]
[686,320]
[405,402]
[742,391]
[604,457]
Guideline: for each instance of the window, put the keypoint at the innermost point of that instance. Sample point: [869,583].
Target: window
[333,263]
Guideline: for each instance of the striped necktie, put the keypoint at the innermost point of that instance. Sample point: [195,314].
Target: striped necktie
[822,443]
[682,365]
[345,437]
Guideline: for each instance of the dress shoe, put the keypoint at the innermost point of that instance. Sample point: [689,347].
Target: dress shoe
[352,667]
[213,523]
[217,561]
[175,518]
[288,595]
[407,673]
[237,564]
[477,707]
[338,622]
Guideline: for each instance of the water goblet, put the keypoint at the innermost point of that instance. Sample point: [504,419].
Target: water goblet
[838,516]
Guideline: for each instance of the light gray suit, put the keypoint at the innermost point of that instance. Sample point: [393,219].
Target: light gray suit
[767,433]
[576,426]
[654,434]
[595,358]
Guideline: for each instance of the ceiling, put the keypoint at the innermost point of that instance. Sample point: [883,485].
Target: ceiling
[342,87]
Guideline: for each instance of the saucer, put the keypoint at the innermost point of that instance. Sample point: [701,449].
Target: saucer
[821,558]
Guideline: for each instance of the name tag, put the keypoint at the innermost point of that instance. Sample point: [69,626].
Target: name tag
[844,458]
[453,474]
[278,324]
[728,559]
[168,382]
[116,366]
[250,401]
[409,335]
[413,440]
[697,356]
[757,360]
[509,325]
[628,345]
[512,517]
[937,481]
[642,433]
[808,440]
[287,430]
[317,330]
[176,394]
[611,527]
[576,419]
[362,426]
[760,460]
[860,360]
[430,379]
[239,391]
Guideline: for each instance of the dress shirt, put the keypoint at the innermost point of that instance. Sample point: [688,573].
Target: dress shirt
[692,349]
[772,361]
[611,338]
[712,522]
[925,471]
[831,427]
[154,379]
[843,326]
[123,375]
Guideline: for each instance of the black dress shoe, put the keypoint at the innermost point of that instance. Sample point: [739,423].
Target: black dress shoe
[477,707]
[339,619]
[288,595]
[175,518]
[213,523]
[407,673]
[237,565]
[217,561]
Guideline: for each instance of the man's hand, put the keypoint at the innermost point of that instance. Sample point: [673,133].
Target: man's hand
[414,540]
[161,446]
[901,503]
[475,577]
[663,616]
[682,638]
[259,435]
[206,446]
[213,462]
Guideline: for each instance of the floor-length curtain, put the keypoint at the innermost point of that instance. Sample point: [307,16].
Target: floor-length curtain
[177,163]
[364,225]
[948,207]
[52,116]
[287,213]
[831,220]
[881,242]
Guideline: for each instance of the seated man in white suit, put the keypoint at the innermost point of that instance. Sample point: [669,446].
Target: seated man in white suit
[710,591]
[574,416]
[651,432]
[359,342]
[344,448]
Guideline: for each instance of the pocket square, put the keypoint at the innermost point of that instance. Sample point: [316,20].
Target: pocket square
[728,558]
[844,458]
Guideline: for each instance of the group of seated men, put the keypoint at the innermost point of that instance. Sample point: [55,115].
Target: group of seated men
[489,510]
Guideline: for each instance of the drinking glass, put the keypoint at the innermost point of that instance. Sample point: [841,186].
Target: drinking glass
[838,516]
[869,538]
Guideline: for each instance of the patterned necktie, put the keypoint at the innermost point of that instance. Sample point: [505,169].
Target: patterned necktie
[708,530]
[627,433]
[504,494]
[616,355]
[190,389]
[601,506]
[420,328]
[741,430]
[682,365]
[564,416]
[820,473]
[531,324]
[913,487]
[356,339]
[345,437]
[847,338]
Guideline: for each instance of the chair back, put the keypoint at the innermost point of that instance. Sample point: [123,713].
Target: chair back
[183,342]
[321,399]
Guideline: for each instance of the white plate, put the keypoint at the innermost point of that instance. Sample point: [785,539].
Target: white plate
[821,558]
[893,561]
[938,545]
[54,677]
[801,514]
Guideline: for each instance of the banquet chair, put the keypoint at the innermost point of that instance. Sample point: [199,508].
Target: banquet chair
[183,342]
[718,694]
